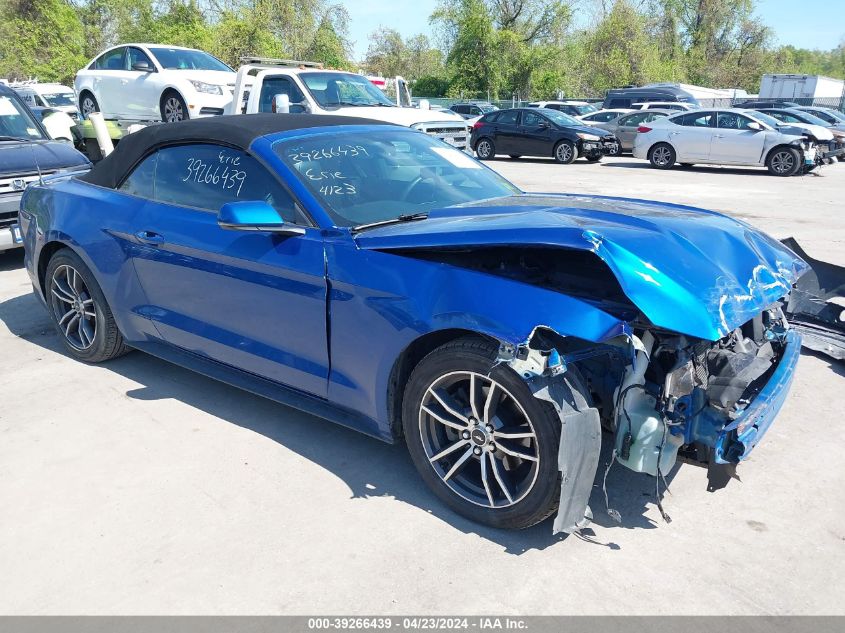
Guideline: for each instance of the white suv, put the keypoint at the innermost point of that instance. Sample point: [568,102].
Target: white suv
[146,82]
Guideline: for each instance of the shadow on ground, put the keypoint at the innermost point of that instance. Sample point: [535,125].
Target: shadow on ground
[374,470]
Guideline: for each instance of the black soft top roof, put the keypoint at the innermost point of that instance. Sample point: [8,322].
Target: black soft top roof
[235,130]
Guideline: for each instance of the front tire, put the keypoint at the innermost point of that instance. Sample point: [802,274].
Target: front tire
[485,149]
[565,152]
[784,161]
[173,107]
[662,156]
[491,457]
[79,310]
[87,104]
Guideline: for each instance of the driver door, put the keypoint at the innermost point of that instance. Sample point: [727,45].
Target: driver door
[141,89]
[734,142]
[252,300]
[536,134]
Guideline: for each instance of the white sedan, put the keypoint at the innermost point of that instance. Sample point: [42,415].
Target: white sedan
[146,82]
[723,136]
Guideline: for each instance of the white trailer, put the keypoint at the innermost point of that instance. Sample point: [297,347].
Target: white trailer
[791,87]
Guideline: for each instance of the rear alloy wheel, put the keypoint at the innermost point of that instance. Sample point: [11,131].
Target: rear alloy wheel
[79,310]
[173,108]
[478,437]
[565,152]
[485,149]
[784,161]
[87,105]
[662,156]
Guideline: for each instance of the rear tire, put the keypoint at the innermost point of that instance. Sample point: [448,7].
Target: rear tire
[79,310]
[485,149]
[784,161]
[533,487]
[662,156]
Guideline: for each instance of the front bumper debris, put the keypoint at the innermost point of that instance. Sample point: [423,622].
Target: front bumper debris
[812,306]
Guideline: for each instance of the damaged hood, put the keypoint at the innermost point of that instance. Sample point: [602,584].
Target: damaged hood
[688,270]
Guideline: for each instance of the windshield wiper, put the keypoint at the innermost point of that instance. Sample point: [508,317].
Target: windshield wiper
[15,138]
[405,217]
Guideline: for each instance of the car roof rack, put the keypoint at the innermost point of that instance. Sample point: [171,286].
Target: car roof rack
[272,61]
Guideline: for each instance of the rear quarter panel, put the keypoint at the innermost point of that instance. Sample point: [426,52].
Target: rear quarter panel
[97,224]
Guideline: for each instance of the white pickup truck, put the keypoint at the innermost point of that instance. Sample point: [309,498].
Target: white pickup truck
[271,85]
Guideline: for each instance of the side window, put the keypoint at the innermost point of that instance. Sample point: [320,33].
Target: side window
[272,86]
[208,176]
[112,60]
[604,117]
[531,119]
[732,121]
[634,119]
[141,181]
[695,119]
[136,55]
[652,116]
[555,106]
[491,118]
[508,117]
[619,103]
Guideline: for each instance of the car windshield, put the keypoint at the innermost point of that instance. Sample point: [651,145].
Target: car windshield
[187,59]
[768,120]
[60,99]
[584,109]
[16,122]
[363,178]
[836,114]
[560,118]
[333,90]
[807,117]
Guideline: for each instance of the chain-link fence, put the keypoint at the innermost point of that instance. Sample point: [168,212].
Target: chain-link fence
[837,103]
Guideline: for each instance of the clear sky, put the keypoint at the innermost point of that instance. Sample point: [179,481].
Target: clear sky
[803,23]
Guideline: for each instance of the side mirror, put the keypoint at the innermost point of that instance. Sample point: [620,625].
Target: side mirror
[280,104]
[254,215]
[755,126]
[143,67]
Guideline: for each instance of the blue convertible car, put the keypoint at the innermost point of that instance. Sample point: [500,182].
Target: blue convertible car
[382,279]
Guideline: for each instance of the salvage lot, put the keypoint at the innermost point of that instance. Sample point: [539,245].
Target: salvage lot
[138,487]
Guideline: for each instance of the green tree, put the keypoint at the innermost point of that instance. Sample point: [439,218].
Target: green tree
[42,38]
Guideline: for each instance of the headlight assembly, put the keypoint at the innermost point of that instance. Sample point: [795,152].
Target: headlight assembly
[588,137]
[211,89]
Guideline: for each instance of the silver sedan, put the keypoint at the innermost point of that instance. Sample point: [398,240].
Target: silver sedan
[625,127]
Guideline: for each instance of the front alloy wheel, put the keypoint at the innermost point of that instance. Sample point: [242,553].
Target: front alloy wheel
[478,439]
[173,109]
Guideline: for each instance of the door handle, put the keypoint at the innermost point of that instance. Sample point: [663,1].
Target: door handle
[149,237]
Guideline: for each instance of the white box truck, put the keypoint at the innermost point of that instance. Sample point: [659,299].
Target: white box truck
[792,87]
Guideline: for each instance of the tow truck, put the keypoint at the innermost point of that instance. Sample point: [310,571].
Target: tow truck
[291,86]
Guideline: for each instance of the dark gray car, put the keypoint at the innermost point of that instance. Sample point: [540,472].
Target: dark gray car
[625,127]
